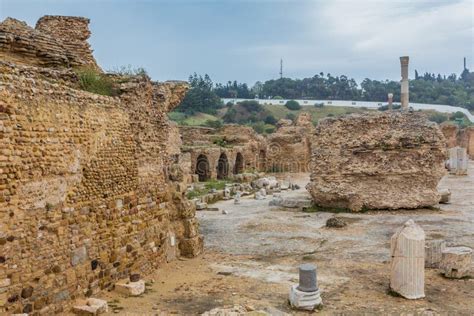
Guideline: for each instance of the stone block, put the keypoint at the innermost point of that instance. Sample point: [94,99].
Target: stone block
[456,262]
[201,206]
[130,288]
[92,306]
[78,255]
[433,250]
[191,247]
[445,196]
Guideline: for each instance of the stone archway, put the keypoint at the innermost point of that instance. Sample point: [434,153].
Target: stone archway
[262,160]
[222,167]
[239,164]
[202,168]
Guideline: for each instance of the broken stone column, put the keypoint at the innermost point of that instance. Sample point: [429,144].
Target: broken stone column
[458,161]
[407,275]
[390,101]
[306,294]
[404,83]
[445,196]
[237,197]
[456,262]
[433,249]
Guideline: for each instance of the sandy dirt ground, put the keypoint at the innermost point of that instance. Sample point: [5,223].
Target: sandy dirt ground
[252,254]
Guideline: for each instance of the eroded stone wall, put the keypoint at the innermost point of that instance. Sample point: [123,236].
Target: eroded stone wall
[462,137]
[86,192]
[57,41]
[289,148]
[377,161]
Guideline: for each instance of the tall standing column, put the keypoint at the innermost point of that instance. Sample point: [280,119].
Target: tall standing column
[404,83]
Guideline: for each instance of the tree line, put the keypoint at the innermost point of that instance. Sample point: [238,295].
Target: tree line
[204,95]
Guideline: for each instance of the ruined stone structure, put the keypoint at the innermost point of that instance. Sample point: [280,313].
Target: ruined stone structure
[57,41]
[86,194]
[289,148]
[462,137]
[377,161]
[221,153]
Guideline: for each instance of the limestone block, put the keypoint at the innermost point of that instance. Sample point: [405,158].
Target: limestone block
[407,276]
[92,306]
[445,196]
[290,202]
[201,206]
[237,197]
[456,262]
[79,255]
[304,300]
[130,288]
[191,247]
[433,249]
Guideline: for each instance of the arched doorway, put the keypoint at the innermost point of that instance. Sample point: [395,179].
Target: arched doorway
[202,168]
[239,164]
[222,167]
[262,160]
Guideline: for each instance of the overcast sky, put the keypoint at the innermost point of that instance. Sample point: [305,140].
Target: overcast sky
[244,40]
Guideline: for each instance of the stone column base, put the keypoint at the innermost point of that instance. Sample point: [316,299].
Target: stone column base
[304,300]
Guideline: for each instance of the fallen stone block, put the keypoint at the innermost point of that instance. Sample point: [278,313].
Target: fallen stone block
[201,206]
[336,222]
[433,250]
[445,196]
[130,288]
[290,202]
[365,161]
[456,262]
[92,306]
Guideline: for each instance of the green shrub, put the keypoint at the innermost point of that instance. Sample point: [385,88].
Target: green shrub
[438,118]
[93,81]
[259,127]
[251,106]
[293,105]
[291,116]
[458,115]
[270,119]
[213,123]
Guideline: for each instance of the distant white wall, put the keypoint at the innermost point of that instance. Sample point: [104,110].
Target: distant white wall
[359,104]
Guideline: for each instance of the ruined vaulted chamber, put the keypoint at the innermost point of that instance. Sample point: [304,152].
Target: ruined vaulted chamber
[377,161]
[86,197]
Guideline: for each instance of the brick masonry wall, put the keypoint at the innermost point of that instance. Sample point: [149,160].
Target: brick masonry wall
[85,197]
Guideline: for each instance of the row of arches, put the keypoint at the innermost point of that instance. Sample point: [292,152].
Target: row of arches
[223,167]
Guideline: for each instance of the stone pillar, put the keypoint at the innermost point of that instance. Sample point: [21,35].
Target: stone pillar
[458,161]
[390,101]
[306,295]
[404,83]
[407,275]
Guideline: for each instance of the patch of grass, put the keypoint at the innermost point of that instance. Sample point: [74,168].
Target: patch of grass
[93,81]
[208,186]
[317,113]
[216,184]
[129,70]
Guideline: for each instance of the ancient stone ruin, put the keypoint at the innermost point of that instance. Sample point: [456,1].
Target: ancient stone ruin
[289,148]
[86,194]
[377,161]
[462,137]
